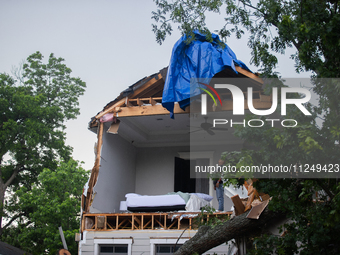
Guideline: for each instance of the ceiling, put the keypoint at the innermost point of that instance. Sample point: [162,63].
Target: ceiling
[184,130]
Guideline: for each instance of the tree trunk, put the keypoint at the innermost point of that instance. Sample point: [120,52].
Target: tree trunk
[2,200]
[208,237]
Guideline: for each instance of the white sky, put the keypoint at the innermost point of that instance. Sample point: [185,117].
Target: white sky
[108,44]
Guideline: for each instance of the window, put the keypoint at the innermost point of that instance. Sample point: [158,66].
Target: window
[166,249]
[118,249]
[112,246]
[165,246]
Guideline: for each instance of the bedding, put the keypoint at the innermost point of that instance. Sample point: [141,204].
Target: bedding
[174,201]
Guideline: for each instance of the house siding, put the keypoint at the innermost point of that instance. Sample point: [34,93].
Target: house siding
[141,240]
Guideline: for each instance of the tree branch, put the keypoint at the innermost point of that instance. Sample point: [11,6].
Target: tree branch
[14,174]
[208,237]
[13,219]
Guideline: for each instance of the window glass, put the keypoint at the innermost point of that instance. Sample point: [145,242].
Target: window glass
[117,249]
[166,249]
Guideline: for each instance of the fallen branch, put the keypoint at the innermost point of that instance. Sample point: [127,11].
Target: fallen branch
[208,237]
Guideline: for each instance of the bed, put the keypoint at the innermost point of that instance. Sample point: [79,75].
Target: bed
[178,201]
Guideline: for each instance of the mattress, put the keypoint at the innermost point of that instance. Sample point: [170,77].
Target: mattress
[169,202]
[138,203]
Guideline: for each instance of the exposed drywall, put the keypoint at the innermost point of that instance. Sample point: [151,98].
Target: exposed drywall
[155,169]
[116,174]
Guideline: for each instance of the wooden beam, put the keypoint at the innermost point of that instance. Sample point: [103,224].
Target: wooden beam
[135,94]
[248,74]
[146,87]
[111,108]
[146,110]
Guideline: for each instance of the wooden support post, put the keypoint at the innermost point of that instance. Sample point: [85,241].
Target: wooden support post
[127,102]
[152,221]
[164,221]
[152,101]
[139,102]
[117,220]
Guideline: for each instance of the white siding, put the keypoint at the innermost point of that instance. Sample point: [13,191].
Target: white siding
[141,240]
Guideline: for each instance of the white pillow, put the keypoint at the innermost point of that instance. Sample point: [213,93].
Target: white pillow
[132,195]
[206,197]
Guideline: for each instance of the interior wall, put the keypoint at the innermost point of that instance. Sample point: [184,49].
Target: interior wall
[116,174]
[218,150]
[155,169]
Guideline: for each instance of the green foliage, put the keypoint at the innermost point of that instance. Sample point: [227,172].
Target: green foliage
[33,110]
[34,107]
[52,202]
[311,27]
[273,26]
[202,219]
[33,114]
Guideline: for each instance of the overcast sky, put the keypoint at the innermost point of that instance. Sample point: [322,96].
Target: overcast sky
[108,44]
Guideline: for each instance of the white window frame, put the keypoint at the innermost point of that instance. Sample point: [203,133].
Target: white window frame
[98,242]
[154,242]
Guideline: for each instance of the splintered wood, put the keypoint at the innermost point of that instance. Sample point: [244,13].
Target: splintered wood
[256,202]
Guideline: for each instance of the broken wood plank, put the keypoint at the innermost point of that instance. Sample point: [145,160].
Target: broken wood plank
[149,110]
[249,201]
[95,169]
[256,211]
[264,197]
[239,207]
[248,74]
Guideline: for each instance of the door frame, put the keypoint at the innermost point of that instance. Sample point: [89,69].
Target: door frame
[191,155]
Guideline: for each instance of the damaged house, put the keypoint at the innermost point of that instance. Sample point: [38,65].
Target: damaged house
[140,196]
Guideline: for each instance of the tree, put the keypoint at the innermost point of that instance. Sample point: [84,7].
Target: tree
[52,202]
[273,26]
[32,131]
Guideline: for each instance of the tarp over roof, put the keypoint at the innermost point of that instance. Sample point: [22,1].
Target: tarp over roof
[199,59]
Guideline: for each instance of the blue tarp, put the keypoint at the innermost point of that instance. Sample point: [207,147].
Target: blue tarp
[199,59]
